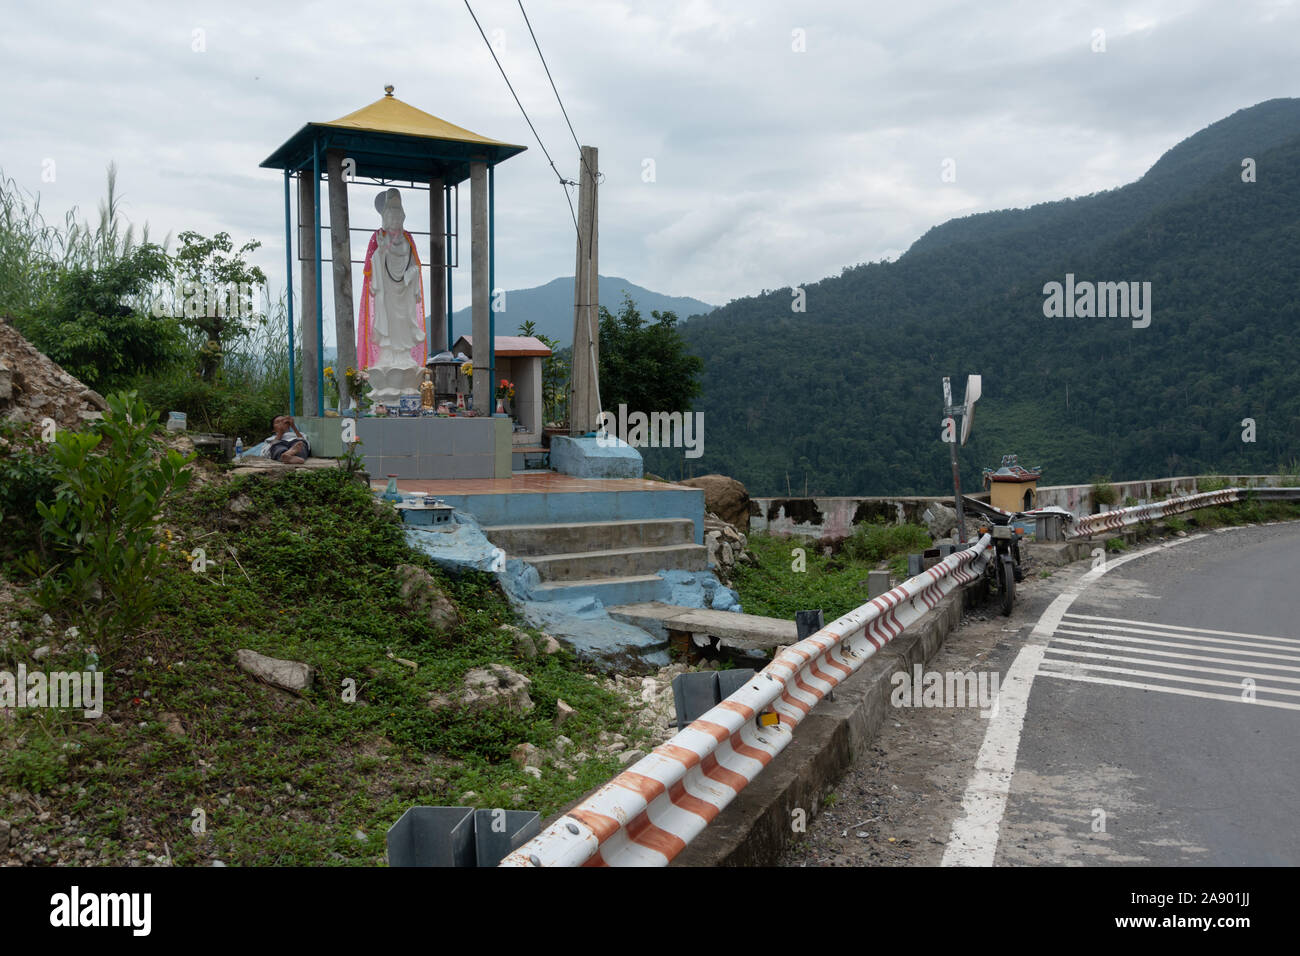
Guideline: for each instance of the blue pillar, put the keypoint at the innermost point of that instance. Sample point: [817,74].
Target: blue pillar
[288,271]
[320,302]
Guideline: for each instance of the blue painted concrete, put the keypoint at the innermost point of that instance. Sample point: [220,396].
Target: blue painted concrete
[595,457]
[561,507]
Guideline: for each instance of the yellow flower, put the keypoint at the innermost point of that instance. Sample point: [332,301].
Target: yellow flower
[168,532]
[329,369]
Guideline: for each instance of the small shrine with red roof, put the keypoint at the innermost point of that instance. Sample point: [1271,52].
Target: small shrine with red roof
[1013,487]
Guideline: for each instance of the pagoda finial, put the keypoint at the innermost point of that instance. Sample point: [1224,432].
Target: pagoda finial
[388,90]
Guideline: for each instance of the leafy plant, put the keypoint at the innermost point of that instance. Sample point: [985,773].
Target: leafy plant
[1103,492]
[102,522]
[645,366]
[210,268]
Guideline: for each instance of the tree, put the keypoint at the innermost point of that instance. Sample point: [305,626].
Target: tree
[555,376]
[645,366]
[214,284]
[88,327]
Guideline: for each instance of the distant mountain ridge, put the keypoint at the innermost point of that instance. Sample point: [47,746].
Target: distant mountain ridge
[550,306]
[848,393]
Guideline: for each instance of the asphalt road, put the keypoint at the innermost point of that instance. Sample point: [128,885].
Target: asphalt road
[1162,725]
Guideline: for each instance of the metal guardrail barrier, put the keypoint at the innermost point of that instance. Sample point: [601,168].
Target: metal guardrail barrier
[1122,517]
[649,813]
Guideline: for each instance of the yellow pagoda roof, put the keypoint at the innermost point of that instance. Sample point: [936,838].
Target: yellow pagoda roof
[388,114]
[393,140]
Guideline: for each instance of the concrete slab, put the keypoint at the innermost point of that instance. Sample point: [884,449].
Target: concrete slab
[595,458]
[742,631]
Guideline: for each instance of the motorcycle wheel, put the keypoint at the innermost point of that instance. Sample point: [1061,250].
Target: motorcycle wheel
[1007,583]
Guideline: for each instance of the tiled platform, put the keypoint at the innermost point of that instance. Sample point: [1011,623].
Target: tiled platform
[547,497]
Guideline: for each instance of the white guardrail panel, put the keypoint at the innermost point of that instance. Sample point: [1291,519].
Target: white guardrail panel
[649,813]
[1121,517]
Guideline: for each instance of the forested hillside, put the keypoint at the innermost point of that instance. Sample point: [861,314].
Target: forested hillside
[846,397]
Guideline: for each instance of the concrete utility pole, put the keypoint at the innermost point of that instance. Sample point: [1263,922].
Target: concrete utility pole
[480,288]
[584,380]
[341,255]
[307,257]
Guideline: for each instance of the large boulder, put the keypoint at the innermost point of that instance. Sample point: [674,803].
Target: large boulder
[725,497]
[421,592]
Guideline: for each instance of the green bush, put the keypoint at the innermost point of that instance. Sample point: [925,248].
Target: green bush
[1103,492]
[26,478]
[111,482]
[877,541]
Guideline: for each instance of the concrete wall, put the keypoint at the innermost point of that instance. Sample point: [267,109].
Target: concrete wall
[423,447]
[834,517]
[1077,499]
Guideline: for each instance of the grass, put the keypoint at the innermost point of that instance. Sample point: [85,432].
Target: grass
[837,584]
[310,780]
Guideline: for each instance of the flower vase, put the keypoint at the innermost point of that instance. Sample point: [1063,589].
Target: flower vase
[501,406]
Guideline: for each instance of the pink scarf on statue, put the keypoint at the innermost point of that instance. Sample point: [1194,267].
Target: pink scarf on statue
[367,337]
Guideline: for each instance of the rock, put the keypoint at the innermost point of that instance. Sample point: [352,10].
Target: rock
[496,686]
[468,797]
[724,599]
[534,772]
[287,675]
[526,755]
[940,520]
[421,592]
[628,757]
[562,713]
[440,701]
[725,497]
[550,645]
[562,743]
[241,505]
[524,646]
[6,829]
[41,653]
[172,724]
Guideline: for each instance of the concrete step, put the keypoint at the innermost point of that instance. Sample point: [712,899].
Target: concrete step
[628,589]
[619,562]
[525,540]
[526,457]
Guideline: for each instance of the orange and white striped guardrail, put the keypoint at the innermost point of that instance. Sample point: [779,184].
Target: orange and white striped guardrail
[649,813]
[1121,517]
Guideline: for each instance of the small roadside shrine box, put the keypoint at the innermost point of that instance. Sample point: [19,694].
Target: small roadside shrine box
[1012,487]
[519,361]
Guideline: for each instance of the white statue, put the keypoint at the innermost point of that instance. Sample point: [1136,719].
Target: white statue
[391,332]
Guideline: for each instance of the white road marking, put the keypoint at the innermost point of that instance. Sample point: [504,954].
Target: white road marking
[1179,627]
[973,840]
[1070,668]
[1123,640]
[1057,642]
[1199,668]
[1272,643]
[1236,698]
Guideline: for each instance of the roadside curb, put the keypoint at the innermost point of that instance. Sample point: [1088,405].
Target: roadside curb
[757,825]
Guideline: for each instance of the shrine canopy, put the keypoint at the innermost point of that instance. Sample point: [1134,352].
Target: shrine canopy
[392,140]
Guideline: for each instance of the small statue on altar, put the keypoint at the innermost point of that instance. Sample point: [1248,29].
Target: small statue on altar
[426,390]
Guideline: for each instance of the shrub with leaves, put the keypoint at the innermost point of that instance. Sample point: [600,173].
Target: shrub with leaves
[111,481]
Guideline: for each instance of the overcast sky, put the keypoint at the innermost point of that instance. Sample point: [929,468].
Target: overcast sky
[772,166]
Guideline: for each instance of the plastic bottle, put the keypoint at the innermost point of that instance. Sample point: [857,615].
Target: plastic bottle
[239,448]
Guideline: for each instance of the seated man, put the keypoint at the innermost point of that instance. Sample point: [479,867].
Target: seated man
[291,449]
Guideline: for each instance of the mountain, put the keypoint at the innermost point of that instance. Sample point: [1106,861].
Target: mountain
[550,306]
[847,395]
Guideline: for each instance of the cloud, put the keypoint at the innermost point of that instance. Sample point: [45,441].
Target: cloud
[773,167]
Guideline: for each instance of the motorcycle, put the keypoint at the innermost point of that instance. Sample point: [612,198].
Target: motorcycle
[1004,571]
